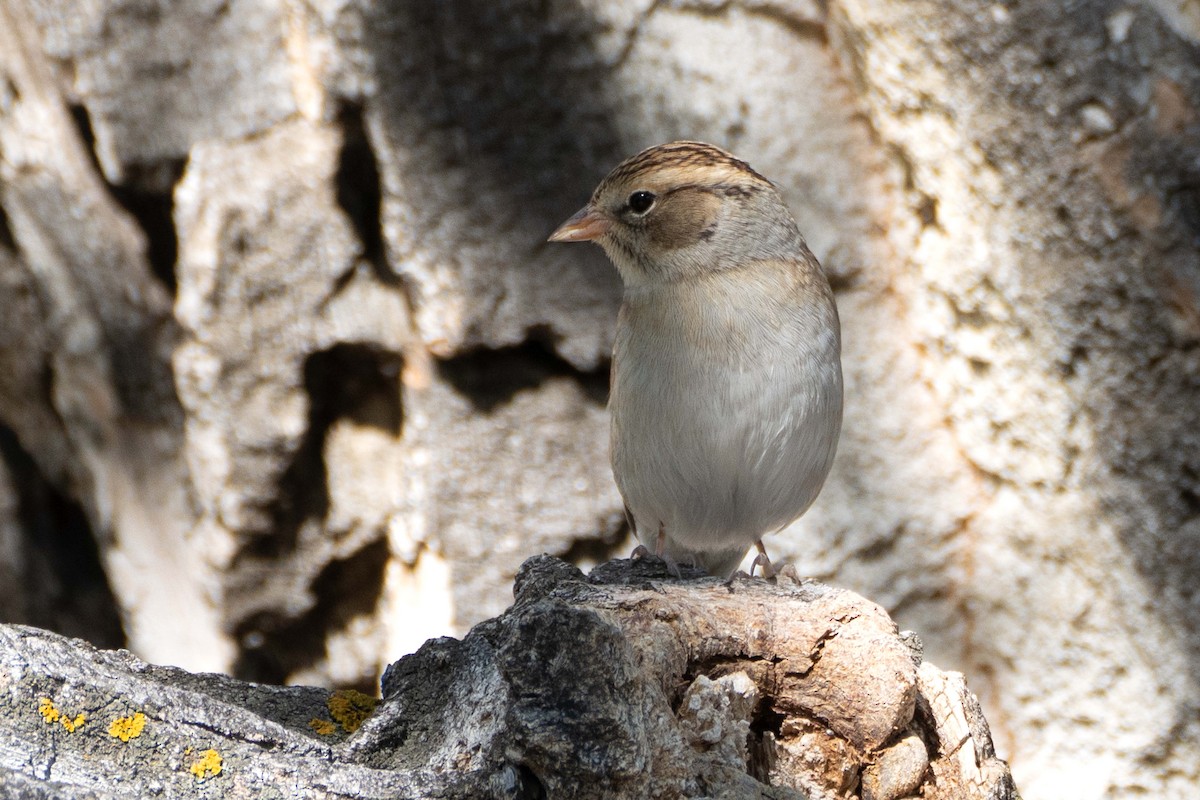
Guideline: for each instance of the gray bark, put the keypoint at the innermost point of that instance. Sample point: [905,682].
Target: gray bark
[1049,261]
[627,684]
[88,384]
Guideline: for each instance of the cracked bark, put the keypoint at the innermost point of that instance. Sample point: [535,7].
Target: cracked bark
[89,390]
[624,684]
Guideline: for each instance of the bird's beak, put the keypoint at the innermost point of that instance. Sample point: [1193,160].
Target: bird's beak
[586,225]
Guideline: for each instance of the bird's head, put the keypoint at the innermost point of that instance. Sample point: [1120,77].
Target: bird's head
[682,209]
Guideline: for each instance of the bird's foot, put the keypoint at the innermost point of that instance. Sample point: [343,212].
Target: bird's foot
[641,551]
[762,560]
[737,575]
[768,569]
[660,550]
[772,572]
[789,571]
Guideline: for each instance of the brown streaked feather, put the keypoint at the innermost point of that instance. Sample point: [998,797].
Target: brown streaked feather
[676,163]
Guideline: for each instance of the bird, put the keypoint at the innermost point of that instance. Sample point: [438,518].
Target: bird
[725,394]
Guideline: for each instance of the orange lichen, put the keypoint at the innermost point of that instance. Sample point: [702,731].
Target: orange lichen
[126,728]
[322,726]
[349,708]
[209,765]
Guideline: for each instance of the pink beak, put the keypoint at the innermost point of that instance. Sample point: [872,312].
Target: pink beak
[586,225]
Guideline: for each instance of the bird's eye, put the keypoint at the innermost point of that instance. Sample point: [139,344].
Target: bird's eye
[640,201]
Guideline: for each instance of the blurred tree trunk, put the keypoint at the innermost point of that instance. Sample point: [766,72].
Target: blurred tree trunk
[1046,250]
[377,391]
[87,336]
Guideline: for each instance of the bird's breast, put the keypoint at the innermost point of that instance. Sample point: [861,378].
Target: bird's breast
[725,414]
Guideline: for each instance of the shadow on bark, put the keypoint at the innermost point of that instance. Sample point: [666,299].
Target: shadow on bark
[274,648]
[1114,212]
[62,583]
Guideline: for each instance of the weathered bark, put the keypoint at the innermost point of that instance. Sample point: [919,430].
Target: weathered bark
[627,684]
[1046,246]
[378,391]
[86,358]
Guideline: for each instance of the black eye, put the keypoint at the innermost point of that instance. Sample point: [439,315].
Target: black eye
[640,202]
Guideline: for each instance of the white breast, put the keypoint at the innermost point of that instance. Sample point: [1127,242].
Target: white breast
[726,407]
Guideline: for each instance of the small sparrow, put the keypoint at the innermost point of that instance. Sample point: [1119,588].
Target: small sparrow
[726,396]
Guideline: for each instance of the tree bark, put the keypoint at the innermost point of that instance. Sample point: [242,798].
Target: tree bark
[88,385]
[1047,252]
[627,684]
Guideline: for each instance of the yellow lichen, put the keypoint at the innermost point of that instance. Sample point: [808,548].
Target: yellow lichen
[47,710]
[209,765]
[126,728]
[322,726]
[72,724]
[51,714]
[349,708]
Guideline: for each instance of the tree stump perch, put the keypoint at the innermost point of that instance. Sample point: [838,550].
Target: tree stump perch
[625,683]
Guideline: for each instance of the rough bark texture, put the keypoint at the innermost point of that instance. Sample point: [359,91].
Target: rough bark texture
[1054,288]
[626,684]
[279,332]
[88,386]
